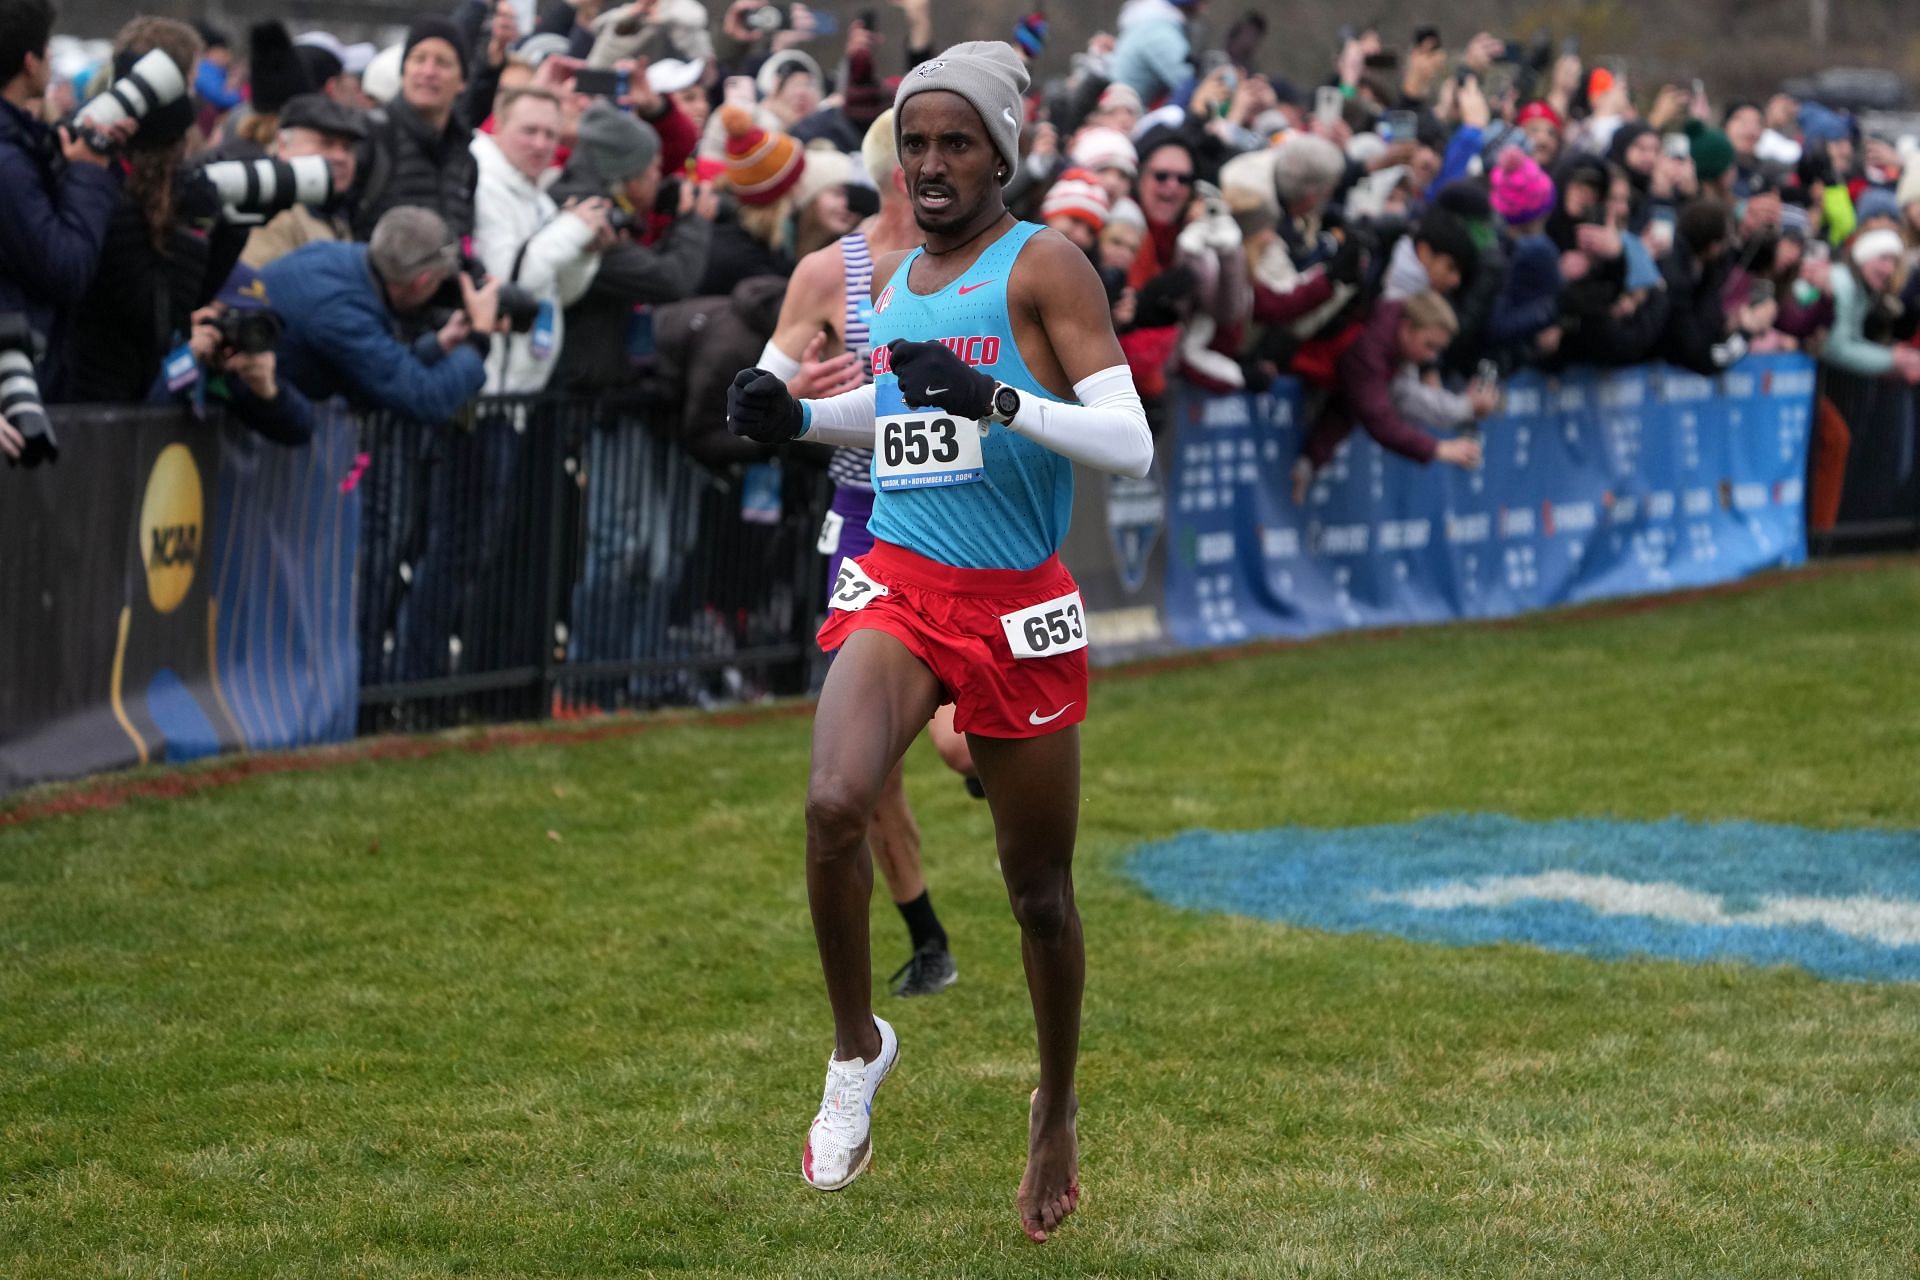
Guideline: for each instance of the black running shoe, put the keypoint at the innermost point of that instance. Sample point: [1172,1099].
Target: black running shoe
[974,788]
[929,972]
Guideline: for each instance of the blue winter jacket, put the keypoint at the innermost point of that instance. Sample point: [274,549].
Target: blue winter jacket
[53,223]
[339,339]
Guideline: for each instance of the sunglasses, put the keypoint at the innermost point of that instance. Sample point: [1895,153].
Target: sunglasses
[1169,175]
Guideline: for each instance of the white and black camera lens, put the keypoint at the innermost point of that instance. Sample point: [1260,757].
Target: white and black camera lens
[20,405]
[258,189]
[154,81]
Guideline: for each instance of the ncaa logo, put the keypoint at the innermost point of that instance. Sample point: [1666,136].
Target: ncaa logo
[1841,904]
[171,516]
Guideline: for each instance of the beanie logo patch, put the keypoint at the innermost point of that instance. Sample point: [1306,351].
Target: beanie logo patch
[930,69]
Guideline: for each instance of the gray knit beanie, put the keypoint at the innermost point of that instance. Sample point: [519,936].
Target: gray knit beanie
[988,74]
[619,146]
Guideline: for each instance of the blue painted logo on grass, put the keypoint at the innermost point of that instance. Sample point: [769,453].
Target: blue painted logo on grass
[1844,904]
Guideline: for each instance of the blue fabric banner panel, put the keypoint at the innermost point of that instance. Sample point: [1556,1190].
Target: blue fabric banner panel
[1594,485]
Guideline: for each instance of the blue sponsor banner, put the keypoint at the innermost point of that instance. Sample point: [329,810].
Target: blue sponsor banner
[285,546]
[1595,484]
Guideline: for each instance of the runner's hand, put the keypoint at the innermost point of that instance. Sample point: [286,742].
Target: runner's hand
[760,408]
[933,377]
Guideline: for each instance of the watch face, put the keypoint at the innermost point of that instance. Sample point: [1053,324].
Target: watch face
[1006,402]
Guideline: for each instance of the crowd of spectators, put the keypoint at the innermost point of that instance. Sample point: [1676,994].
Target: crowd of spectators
[612,202]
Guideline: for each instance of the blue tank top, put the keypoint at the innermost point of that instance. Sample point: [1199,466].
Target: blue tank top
[1016,515]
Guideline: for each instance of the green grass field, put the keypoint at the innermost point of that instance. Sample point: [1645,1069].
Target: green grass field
[555,1010]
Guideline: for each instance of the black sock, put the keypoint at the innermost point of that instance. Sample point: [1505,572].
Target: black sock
[922,924]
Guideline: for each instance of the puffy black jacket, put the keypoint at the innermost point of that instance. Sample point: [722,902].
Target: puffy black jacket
[404,161]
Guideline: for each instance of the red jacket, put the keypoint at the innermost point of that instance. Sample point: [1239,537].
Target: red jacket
[1362,393]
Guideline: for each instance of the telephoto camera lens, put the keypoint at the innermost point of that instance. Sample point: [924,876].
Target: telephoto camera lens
[20,393]
[154,81]
[258,189]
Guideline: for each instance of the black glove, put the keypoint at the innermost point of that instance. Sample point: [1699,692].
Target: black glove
[932,376]
[760,408]
[1163,300]
[1349,264]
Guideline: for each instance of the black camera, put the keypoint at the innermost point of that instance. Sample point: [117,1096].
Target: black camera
[518,305]
[249,333]
[1114,279]
[20,401]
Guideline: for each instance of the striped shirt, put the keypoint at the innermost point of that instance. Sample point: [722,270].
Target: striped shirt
[853,468]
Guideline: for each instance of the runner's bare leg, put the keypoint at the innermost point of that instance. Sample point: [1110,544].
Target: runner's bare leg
[1033,787]
[876,699]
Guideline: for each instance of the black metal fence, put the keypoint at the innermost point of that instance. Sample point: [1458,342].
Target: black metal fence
[555,556]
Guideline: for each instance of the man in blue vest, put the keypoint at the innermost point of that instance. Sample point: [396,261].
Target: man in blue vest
[995,369]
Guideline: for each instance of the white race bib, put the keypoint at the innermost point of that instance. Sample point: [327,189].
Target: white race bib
[921,448]
[1051,627]
[829,541]
[853,589]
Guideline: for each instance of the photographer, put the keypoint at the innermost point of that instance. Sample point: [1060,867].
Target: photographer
[59,190]
[167,249]
[341,302]
[311,125]
[618,157]
[232,364]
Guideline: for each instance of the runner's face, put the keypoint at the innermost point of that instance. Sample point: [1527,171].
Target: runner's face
[951,166]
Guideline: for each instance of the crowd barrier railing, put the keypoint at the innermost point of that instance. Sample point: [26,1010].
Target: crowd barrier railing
[1880,494]
[173,588]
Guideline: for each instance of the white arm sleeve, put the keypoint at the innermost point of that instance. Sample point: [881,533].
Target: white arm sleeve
[778,363]
[845,419]
[1106,430]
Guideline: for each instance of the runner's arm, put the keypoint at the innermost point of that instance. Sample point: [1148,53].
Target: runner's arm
[845,419]
[1108,428]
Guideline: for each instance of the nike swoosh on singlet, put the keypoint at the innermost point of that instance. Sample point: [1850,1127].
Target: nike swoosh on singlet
[969,288]
[1034,716]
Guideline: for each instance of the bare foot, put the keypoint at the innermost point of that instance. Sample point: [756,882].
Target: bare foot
[1051,1188]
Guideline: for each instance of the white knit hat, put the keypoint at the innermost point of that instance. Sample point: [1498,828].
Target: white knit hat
[1100,148]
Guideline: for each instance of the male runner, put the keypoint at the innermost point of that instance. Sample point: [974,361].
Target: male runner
[829,306]
[992,331]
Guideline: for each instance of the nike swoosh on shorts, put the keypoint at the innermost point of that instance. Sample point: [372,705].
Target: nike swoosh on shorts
[1034,717]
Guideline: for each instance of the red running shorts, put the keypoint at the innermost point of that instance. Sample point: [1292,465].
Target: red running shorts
[1008,645]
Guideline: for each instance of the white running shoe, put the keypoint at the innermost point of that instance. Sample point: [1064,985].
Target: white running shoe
[839,1145]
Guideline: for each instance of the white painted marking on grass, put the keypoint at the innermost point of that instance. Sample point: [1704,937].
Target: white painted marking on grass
[1891,922]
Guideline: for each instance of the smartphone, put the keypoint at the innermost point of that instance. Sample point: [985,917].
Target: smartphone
[1677,145]
[824,23]
[1699,88]
[1463,76]
[1487,371]
[601,83]
[1401,126]
[1383,61]
[1819,251]
[1759,291]
[1329,104]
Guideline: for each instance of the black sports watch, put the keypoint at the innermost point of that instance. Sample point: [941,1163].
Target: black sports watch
[1006,403]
